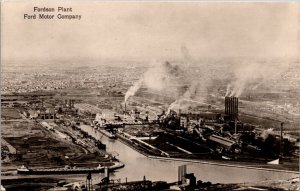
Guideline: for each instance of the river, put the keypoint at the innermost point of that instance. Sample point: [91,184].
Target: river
[137,166]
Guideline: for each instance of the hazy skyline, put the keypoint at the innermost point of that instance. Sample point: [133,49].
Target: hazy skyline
[148,31]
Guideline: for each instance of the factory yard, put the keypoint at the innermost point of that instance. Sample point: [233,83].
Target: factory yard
[152,140]
[45,144]
[169,145]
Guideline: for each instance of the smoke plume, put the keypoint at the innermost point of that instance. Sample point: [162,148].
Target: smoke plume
[183,101]
[133,89]
[266,133]
[198,82]
[160,77]
[251,75]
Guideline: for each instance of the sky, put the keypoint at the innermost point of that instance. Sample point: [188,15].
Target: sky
[146,31]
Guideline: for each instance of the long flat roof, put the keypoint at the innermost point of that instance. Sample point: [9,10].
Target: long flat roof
[222,140]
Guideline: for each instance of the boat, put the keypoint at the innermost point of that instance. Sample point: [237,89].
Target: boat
[70,170]
[107,133]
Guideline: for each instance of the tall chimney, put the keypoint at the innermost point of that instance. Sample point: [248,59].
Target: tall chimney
[236,107]
[231,107]
[235,127]
[225,105]
[281,139]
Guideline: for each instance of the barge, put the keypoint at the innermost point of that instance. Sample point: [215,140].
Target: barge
[70,170]
[107,133]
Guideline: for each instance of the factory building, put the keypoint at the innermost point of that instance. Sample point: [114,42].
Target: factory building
[42,114]
[135,115]
[69,103]
[105,116]
[227,144]
[207,117]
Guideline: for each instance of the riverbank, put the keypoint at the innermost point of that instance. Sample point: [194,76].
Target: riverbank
[162,168]
[239,164]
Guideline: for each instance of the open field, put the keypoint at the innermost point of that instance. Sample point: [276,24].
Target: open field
[35,143]
[7,114]
[38,146]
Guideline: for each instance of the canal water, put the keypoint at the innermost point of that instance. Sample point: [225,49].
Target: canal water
[137,166]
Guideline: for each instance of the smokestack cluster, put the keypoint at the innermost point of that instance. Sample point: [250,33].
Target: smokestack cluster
[231,107]
[69,103]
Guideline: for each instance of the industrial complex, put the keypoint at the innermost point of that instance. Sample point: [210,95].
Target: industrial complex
[62,139]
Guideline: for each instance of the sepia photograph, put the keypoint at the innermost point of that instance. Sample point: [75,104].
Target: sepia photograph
[149,96]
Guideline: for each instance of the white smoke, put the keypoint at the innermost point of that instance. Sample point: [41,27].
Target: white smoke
[173,106]
[198,82]
[251,75]
[133,89]
[228,90]
[161,77]
[265,134]
[183,101]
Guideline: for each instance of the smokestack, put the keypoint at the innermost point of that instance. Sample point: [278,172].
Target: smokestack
[106,173]
[236,108]
[235,126]
[281,138]
[124,107]
[226,105]
[231,107]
